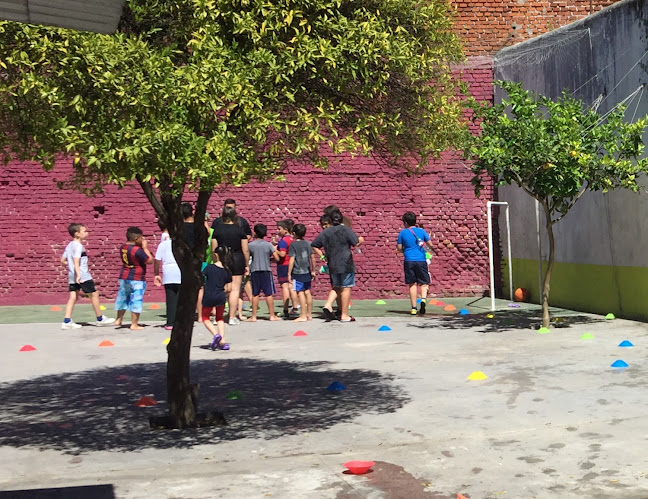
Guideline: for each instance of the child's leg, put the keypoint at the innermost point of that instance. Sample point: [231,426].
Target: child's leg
[285,295]
[135,321]
[309,305]
[345,298]
[206,320]
[120,317]
[201,292]
[136,303]
[220,322]
[301,296]
[413,289]
[234,295]
[69,307]
[270,302]
[332,296]
[255,306]
[294,299]
[94,299]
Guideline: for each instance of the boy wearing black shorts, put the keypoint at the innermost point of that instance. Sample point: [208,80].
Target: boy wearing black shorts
[79,278]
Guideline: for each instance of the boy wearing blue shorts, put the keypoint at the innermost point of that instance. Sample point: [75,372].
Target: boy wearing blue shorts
[261,254]
[412,242]
[135,255]
[301,268]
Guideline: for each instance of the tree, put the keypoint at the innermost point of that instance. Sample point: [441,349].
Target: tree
[556,151]
[189,94]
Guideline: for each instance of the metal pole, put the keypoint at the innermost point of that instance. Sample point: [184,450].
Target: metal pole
[539,252]
[510,260]
[489,205]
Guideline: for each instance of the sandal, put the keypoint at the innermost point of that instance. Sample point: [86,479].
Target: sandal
[328,314]
[224,346]
[350,319]
[215,342]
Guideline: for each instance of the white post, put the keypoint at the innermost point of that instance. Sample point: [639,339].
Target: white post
[491,262]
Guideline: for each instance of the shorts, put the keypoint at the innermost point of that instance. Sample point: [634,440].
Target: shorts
[301,286]
[87,287]
[416,273]
[218,314]
[238,265]
[130,295]
[282,274]
[263,281]
[343,280]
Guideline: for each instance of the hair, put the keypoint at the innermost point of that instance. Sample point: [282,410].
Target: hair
[409,218]
[132,233]
[260,231]
[299,230]
[74,228]
[187,210]
[161,225]
[330,209]
[224,255]
[336,217]
[325,220]
[229,215]
[229,201]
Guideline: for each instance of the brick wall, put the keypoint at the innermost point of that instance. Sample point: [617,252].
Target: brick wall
[34,215]
[486,26]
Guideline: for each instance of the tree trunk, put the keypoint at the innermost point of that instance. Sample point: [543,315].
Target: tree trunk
[546,284]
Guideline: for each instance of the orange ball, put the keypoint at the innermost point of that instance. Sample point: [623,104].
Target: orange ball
[522,294]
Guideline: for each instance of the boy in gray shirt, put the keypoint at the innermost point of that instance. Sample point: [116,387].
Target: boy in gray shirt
[261,273]
[301,270]
[79,278]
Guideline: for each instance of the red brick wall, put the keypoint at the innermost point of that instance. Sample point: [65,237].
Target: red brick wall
[34,216]
[486,26]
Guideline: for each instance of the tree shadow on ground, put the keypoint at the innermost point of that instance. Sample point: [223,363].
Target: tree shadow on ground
[95,410]
[502,321]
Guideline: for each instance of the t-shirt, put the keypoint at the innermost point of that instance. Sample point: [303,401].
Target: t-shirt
[170,270]
[411,249]
[133,263]
[229,236]
[242,222]
[261,252]
[337,241]
[73,250]
[215,279]
[189,230]
[284,245]
[301,250]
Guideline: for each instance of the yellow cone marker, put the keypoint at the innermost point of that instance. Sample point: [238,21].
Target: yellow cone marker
[101,307]
[490,316]
[166,342]
[477,375]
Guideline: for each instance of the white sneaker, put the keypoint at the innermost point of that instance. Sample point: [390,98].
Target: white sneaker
[234,321]
[70,325]
[105,321]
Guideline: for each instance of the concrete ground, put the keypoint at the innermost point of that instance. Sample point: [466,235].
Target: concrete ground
[552,418]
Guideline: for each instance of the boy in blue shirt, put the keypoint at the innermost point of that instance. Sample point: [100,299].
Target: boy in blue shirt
[412,242]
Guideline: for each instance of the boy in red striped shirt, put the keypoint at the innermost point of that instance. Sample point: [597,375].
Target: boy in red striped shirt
[135,255]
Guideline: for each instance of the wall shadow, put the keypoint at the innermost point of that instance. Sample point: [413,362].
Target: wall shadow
[95,409]
[501,322]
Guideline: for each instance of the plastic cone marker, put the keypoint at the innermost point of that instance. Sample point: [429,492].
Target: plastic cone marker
[432,302]
[234,395]
[463,311]
[336,386]
[167,341]
[490,316]
[477,375]
[461,496]
[449,308]
[106,343]
[381,302]
[543,330]
[440,304]
[300,333]
[27,348]
[146,401]
[418,301]
[384,328]
[625,343]
[55,308]
[619,363]
[514,305]
[610,316]
[154,306]
[587,336]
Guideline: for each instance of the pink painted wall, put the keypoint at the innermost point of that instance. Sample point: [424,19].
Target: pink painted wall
[34,215]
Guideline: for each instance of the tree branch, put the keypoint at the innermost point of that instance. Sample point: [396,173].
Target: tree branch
[153,199]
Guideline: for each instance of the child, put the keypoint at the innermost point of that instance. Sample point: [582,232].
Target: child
[171,276]
[261,274]
[79,278]
[337,241]
[135,255]
[301,270]
[218,282]
[284,230]
[411,242]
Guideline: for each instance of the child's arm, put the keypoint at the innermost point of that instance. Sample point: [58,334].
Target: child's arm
[64,261]
[312,265]
[246,254]
[156,270]
[228,287]
[77,269]
[291,264]
[318,252]
[144,246]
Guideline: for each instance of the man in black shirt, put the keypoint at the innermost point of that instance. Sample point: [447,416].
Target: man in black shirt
[230,203]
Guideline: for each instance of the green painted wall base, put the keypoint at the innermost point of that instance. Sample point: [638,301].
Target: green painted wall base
[599,289]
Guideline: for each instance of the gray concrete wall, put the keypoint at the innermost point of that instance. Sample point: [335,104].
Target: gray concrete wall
[604,54]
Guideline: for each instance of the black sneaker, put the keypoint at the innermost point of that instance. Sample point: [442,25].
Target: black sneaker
[422,309]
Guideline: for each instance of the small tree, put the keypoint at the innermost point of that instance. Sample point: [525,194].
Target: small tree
[556,151]
[189,94]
